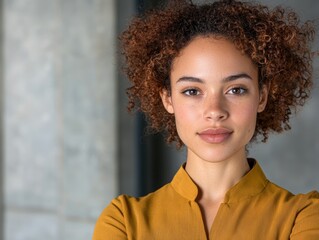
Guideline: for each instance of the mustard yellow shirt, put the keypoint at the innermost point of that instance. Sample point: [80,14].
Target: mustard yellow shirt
[254,208]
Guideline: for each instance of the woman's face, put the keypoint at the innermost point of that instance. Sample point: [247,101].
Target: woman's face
[215,99]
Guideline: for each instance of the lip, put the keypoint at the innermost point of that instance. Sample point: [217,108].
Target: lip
[215,135]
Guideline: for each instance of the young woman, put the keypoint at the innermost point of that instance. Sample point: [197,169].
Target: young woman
[215,77]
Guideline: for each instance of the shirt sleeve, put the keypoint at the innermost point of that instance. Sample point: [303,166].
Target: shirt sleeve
[306,225]
[110,225]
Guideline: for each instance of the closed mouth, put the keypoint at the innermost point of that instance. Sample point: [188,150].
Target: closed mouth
[215,135]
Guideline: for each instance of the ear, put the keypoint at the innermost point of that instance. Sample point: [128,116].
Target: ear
[263,97]
[167,101]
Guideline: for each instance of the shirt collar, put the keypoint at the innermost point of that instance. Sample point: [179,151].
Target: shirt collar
[249,185]
[184,185]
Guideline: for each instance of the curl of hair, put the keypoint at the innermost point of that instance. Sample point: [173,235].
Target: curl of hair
[275,40]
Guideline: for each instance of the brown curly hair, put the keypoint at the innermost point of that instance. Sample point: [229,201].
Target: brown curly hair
[275,40]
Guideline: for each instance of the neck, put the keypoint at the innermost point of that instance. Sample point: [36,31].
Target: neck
[214,179]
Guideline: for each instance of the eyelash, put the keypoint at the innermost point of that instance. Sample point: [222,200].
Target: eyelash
[196,92]
[241,89]
[188,92]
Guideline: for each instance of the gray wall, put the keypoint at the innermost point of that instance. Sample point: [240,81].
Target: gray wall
[59,130]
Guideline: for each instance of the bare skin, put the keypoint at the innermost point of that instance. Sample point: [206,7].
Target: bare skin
[209,211]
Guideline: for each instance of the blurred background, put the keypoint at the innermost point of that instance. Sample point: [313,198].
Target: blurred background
[68,145]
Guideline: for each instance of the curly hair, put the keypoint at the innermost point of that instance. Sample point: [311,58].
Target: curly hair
[274,39]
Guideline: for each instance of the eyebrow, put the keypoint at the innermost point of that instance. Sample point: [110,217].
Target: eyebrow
[227,79]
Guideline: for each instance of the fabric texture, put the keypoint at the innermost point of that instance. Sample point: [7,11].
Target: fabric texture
[254,209]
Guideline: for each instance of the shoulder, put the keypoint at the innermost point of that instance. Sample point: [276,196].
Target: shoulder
[110,224]
[124,212]
[127,203]
[275,189]
[301,209]
[143,207]
[298,202]
[306,224]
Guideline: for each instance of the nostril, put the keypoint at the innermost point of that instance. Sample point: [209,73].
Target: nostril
[216,115]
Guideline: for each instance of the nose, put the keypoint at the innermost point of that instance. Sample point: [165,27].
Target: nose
[215,108]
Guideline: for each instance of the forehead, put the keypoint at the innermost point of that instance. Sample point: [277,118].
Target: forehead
[216,55]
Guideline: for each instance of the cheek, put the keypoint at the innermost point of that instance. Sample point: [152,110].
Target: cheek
[246,117]
[185,116]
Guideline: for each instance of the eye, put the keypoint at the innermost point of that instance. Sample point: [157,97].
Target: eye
[237,91]
[191,92]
